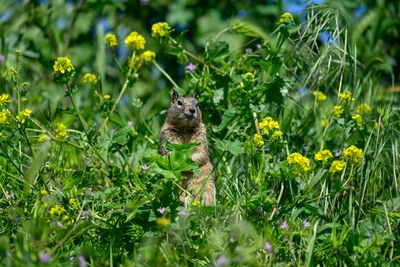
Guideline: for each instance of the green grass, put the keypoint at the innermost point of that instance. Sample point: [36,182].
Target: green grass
[99,193]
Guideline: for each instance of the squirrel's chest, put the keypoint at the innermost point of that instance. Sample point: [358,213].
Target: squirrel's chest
[183,138]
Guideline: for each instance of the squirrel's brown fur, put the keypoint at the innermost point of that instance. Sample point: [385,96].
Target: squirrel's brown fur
[184,125]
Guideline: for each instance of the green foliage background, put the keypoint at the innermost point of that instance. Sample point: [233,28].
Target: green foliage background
[127,212]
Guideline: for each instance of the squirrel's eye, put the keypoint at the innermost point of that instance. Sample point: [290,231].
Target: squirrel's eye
[179,103]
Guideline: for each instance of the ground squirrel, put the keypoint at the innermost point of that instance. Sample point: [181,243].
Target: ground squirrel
[184,125]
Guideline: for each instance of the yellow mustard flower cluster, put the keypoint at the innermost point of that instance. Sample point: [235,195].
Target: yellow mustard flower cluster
[135,41]
[268,124]
[324,123]
[148,56]
[74,203]
[353,154]
[57,210]
[301,162]
[323,155]
[337,166]
[321,97]
[258,140]
[346,96]
[357,118]
[111,40]
[63,65]
[286,18]
[43,138]
[270,127]
[61,131]
[89,78]
[4,99]
[23,115]
[4,115]
[248,76]
[360,111]
[160,29]
[163,222]
[363,109]
[337,111]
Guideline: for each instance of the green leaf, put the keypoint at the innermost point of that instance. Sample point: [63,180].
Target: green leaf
[216,50]
[234,147]
[227,118]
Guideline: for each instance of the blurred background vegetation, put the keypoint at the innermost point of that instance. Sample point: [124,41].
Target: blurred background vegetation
[44,30]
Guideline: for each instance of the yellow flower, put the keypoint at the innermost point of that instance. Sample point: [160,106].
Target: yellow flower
[44,192]
[196,202]
[268,124]
[23,115]
[321,97]
[324,123]
[67,220]
[74,203]
[346,96]
[43,138]
[276,135]
[61,131]
[337,111]
[323,155]
[249,76]
[111,40]
[258,140]
[160,29]
[89,78]
[300,161]
[4,114]
[163,222]
[63,65]
[4,99]
[106,97]
[353,154]
[135,41]
[136,63]
[363,108]
[148,56]
[358,119]
[285,18]
[58,210]
[337,166]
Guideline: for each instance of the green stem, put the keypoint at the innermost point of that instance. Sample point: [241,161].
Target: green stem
[167,76]
[121,93]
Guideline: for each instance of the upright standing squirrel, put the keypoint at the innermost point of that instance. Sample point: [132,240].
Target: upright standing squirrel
[184,125]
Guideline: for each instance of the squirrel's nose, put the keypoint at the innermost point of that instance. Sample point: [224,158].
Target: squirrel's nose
[192,110]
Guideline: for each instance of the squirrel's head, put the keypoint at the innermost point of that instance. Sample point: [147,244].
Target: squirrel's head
[184,112]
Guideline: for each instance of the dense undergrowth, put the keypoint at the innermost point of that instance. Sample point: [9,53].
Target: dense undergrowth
[304,140]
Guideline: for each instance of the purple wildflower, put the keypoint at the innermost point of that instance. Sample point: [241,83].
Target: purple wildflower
[190,67]
[267,246]
[258,46]
[85,213]
[2,58]
[10,195]
[339,153]
[162,210]
[44,257]
[222,261]
[82,261]
[306,148]
[183,213]
[284,225]
[144,2]
[144,167]
[306,223]
[59,224]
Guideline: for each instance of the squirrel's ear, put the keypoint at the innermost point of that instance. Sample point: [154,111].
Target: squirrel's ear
[174,95]
[194,95]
